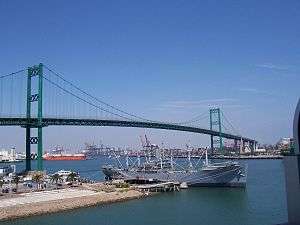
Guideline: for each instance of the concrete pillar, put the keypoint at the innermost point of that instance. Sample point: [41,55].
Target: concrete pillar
[292,174]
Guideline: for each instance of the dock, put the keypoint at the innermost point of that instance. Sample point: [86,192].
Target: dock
[159,187]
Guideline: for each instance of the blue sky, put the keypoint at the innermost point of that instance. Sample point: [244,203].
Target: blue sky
[164,60]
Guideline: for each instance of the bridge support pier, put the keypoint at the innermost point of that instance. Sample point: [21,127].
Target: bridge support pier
[31,72]
[215,121]
[28,117]
[28,149]
[40,124]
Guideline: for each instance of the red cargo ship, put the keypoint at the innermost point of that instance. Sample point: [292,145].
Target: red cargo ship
[60,154]
[49,156]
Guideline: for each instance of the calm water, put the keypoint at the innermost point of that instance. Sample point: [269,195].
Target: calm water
[262,202]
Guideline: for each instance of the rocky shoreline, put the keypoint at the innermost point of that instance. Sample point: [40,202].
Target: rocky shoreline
[64,204]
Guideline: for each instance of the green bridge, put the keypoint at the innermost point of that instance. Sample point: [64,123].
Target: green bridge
[121,118]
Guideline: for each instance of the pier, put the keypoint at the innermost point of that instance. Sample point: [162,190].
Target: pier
[159,187]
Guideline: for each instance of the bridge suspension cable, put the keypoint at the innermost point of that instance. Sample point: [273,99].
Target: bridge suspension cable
[11,74]
[97,99]
[81,99]
[230,124]
[11,93]
[119,113]
[195,119]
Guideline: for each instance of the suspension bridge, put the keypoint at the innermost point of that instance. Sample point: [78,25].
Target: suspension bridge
[38,97]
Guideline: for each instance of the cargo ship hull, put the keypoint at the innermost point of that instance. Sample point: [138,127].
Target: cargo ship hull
[194,178]
[64,157]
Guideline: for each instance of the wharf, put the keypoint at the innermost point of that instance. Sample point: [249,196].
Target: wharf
[159,187]
[45,202]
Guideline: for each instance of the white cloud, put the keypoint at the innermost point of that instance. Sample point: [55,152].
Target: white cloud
[272,66]
[198,104]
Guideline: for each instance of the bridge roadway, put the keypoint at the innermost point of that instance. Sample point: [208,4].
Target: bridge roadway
[19,121]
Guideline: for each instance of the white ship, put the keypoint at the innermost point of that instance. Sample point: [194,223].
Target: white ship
[165,170]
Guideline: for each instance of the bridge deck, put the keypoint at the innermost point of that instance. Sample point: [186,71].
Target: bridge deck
[18,121]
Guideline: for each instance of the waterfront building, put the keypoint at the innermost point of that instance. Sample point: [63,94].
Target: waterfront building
[11,155]
[8,155]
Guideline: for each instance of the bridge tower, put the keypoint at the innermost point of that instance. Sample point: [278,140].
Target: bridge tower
[215,124]
[34,72]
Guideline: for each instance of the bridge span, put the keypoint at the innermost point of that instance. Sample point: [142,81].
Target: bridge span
[47,92]
[23,122]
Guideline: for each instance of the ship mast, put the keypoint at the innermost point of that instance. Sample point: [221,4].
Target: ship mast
[127,160]
[189,156]
[206,158]
[139,159]
[172,163]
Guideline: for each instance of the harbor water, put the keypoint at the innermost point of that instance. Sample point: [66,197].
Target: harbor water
[262,202]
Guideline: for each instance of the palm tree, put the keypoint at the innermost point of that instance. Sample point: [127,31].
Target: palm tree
[72,177]
[38,177]
[16,180]
[55,178]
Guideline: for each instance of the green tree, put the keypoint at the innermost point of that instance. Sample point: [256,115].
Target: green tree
[72,177]
[38,177]
[56,178]
[16,180]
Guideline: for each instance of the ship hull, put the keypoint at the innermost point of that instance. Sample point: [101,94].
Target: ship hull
[63,158]
[216,177]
